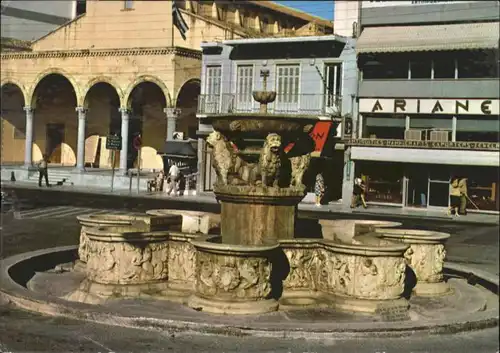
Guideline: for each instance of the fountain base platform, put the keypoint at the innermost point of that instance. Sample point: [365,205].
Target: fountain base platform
[466,308]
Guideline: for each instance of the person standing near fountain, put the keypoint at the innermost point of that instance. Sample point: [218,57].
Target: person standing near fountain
[319,189]
[173,178]
[42,170]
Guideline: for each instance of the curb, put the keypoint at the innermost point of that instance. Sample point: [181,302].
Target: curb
[220,325]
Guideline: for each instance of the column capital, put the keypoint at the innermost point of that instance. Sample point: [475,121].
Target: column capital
[172,112]
[124,110]
[28,109]
[81,110]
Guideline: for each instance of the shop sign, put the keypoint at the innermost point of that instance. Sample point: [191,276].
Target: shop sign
[429,106]
[371,4]
[460,145]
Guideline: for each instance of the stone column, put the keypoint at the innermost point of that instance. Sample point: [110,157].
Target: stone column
[124,151]
[80,157]
[172,116]
[28,151]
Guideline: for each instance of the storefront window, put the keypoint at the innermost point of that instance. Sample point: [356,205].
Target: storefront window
[384,66]
[384,182]
[483,189]
[478,128]
[384,127]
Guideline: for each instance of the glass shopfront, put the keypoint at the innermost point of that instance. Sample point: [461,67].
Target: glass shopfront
[384,181]
[427,185]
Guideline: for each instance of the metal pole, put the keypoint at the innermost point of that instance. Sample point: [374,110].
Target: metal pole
[138,168]
[113,154]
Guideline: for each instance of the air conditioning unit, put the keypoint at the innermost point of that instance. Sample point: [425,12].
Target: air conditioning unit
[415,135]
[439,136]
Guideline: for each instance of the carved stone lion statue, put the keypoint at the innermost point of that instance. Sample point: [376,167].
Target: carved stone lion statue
[299,165]
[226,162]
[270,160]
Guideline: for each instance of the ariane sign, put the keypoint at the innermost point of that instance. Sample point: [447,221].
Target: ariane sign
[367,4]
[429,106]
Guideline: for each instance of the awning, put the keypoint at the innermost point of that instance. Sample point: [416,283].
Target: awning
[483,35]
[426,156]
[178,149]
[323,134]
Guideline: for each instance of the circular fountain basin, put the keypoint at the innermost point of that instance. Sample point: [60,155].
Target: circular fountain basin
[139,222]
[232,279]
[124,255]
[425,257]
[364,275]
[345,229]
[260,125]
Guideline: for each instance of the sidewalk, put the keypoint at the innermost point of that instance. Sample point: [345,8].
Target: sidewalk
[156,199]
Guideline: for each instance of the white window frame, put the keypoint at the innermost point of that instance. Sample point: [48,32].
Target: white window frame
[277,66]
[208,88]
[342,79]
[251,102]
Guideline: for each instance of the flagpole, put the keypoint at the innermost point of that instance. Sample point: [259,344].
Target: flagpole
[172,18]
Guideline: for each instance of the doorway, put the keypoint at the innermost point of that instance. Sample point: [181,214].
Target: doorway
[54,141]
[417,189]
[439,193]
[134,129]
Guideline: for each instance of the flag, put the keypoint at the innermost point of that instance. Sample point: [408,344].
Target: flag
[178,20]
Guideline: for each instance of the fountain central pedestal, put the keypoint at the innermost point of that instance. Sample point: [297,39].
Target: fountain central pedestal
[256,215]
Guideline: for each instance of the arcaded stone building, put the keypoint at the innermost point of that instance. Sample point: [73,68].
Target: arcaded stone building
[115,70]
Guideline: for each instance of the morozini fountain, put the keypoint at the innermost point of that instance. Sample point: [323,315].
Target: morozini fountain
[250,259]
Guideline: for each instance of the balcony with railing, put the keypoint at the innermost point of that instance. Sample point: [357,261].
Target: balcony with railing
[299,104]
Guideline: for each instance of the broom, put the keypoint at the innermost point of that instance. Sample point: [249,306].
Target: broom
[473,204]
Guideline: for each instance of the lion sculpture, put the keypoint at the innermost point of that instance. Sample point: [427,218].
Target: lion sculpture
[227,163]
[270,160]
[299,165]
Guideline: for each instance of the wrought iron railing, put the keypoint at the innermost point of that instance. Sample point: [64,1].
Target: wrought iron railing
[295,104]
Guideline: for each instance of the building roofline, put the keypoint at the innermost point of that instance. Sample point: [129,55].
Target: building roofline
[58,28]
[333,38]
[291,12]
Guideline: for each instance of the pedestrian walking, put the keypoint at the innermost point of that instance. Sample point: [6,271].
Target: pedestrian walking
[42,170]
[358,194]
[454,198]
[462,186]
[173,178]
[319,189]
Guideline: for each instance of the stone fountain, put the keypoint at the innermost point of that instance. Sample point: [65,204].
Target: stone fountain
[251,259]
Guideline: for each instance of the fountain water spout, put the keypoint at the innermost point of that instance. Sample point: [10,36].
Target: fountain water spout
[264,97]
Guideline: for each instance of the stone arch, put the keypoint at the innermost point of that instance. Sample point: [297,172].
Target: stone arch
[146,78]
[186,83]
[102,79]
[187,101]
[14,82]
[54,71]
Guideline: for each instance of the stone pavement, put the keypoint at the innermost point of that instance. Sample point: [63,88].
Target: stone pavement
[470,244]
[83,195]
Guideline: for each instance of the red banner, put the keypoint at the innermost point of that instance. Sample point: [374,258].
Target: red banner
[319,134]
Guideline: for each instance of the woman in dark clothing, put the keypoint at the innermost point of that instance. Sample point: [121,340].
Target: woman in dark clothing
[358,194]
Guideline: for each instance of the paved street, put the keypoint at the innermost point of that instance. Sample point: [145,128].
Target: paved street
[43,227]
[27,332]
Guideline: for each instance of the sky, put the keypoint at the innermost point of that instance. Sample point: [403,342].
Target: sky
[319,8]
